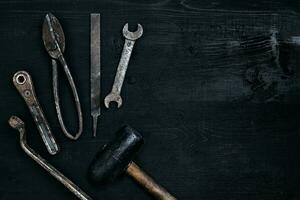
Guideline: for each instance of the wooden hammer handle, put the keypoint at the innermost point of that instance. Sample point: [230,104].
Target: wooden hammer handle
[148,183]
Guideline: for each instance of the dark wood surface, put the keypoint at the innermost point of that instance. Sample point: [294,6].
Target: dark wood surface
[213,86]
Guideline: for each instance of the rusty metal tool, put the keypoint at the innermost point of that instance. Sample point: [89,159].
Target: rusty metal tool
[116,158]
[130,38]
[19,125]
[54,42]
[95,69]
[23,83]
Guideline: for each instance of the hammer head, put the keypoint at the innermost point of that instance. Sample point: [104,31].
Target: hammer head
[114,158]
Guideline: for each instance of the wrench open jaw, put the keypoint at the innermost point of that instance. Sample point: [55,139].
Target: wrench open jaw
[130,37]
[113,97]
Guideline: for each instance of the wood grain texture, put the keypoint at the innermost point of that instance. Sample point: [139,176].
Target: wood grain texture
[144,180]
[212,86]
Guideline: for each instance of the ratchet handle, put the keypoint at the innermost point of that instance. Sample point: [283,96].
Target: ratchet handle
[23,83]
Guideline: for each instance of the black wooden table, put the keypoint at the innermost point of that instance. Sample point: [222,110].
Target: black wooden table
[213,86]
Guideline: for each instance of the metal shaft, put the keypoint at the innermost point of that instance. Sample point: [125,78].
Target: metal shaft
[122,67]
[18,124]
[57,99]
[95,73]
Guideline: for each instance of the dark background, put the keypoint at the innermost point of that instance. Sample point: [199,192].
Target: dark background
[213,86]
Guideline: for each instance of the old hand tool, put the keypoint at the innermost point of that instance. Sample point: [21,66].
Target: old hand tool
[130,37]
[54,42]
[95,69]
[24,85]
[116,157]
[19,125]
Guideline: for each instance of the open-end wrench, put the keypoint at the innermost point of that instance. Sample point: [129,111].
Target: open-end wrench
[19,125]
[130,38]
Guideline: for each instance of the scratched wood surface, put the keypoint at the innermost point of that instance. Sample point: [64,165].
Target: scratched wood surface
[213,86]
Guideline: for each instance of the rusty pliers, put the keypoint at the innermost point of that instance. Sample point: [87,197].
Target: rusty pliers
[54,42]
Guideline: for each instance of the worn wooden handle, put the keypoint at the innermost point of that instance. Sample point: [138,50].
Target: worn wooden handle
[148,183]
